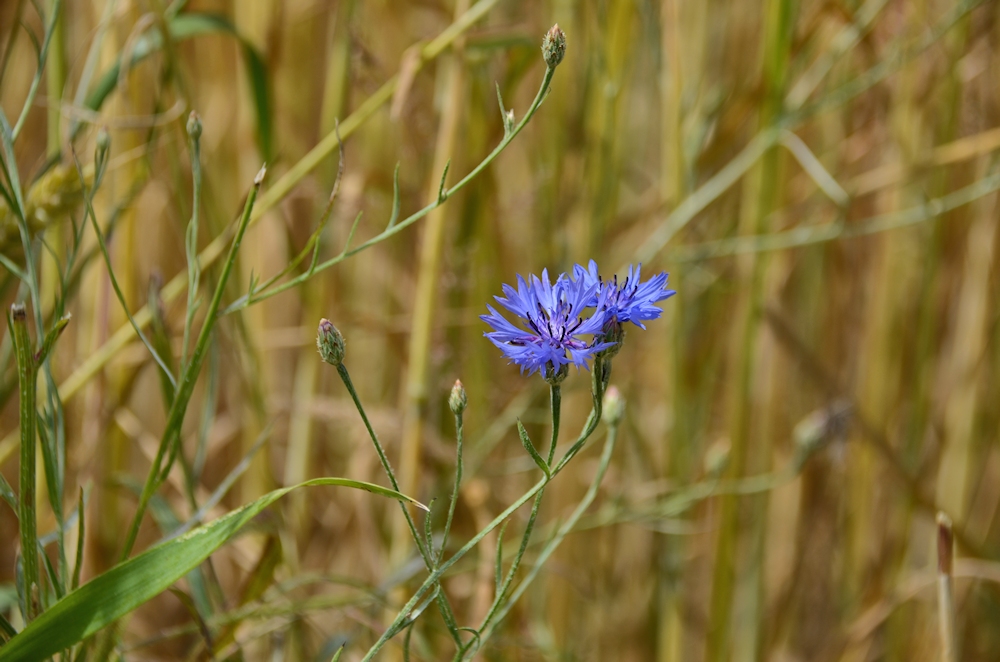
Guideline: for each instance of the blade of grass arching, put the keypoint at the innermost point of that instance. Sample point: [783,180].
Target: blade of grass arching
[97,360]
[188,26]
[115,593]
[171,433]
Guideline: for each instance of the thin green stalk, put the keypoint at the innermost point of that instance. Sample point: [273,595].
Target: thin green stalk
[426,554]
[445,193]
[100,161]
[459,433]
[42,57]
[273,196]
[175,418]
[555,394]
[564,530]
[191,234]
[435,576]
[27,371]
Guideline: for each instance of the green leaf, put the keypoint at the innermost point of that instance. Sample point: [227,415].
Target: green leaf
[186,26]
[530,447]
[108,597]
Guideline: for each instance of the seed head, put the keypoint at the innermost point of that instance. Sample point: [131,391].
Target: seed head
[554,46]
[330,343]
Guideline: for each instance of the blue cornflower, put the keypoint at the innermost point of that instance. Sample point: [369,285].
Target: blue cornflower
[551,315]
[631,301]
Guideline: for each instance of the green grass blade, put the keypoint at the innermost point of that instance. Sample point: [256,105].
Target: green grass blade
[186,26]
[128,585]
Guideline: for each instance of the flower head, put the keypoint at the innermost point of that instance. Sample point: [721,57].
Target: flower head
[551,316]
[630,301]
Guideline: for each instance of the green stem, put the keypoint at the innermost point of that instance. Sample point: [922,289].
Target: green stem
[426,554]
[458,483]
[248,300]
[435,576]
[564,530]
[175,418]
[36,81]
[27,371]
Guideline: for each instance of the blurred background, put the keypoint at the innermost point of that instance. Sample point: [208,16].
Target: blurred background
[819,179]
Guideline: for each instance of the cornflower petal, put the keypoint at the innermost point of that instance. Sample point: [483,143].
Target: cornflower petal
[553,327]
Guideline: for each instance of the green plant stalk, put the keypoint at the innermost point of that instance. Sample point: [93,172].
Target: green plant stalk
[42,58]
[446,193]
[191,246]
[27,371]
[89,208]
[564,530]
[272,197]
[55,78]
[431,250]
[425,553]
[175,417]
[459,434]
[435,577]
[555,400]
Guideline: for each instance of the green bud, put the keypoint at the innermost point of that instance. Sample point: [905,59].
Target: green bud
[458,400]
[103,141]
[614,406]
[194,126]
[330,343]
[554,46]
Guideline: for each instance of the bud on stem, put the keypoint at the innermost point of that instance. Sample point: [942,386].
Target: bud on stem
[554,46]
[330,343]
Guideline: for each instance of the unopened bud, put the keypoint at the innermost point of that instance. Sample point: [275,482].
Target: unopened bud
[458,400]
[194,126]
[554,46]
[103,141]
[614,406]
[330,343]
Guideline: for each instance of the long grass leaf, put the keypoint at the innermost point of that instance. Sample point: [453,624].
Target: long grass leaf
[128,585]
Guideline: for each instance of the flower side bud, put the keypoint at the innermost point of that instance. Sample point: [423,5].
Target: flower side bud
[458,400]
[554,46]
[330,343]
[614,406]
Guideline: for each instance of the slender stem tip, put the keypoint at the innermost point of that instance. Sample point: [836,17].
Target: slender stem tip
[945,544]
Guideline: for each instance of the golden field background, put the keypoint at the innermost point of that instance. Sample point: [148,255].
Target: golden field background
[819,178]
